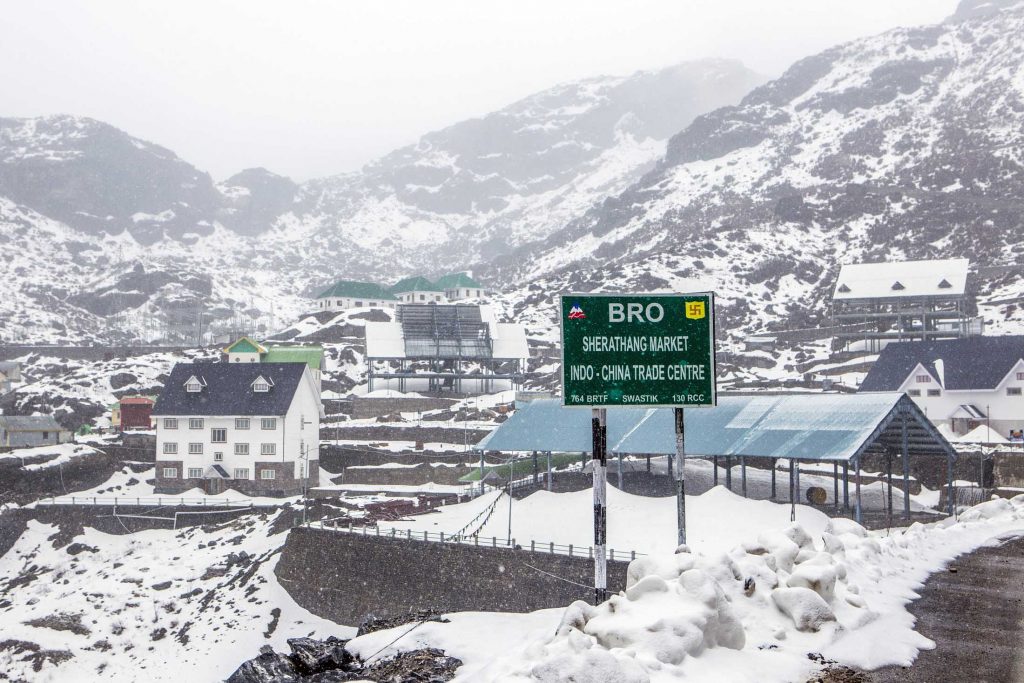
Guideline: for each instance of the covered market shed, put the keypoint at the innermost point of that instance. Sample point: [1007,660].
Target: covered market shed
[837,429]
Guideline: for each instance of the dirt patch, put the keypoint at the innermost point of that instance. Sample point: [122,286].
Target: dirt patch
[61,622]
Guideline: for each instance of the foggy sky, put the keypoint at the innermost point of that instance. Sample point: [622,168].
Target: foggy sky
[310,88]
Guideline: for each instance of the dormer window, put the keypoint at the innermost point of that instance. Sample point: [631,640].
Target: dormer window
[843,289]
[898,286]
[262,385]
[945,284]
[194,385]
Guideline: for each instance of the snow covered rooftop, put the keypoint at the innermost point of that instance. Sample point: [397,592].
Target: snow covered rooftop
[830,427]
[946,277]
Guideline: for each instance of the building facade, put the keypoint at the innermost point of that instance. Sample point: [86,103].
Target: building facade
[30,431]
[246,350]
[251,427]
[963,383]
[346,294]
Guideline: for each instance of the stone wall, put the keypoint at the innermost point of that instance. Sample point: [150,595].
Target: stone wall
[365,407]
[344,577]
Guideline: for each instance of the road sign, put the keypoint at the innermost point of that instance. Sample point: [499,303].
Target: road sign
[651,350]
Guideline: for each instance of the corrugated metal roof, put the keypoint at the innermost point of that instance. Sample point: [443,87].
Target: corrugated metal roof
[946,277]
[312,356]
[29,423]
[228,390]
[829,427]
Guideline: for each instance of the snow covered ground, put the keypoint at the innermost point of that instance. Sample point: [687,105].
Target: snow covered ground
[744,604]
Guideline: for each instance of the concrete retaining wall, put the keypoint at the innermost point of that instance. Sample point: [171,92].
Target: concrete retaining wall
[345,577]
[376,407]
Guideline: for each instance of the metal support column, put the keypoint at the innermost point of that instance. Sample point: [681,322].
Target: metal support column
[835,485]
[715,461]
[905,456]
[728,472]
[618,457]
[743,476]
[859,512]
[888,479]
[950,493]
[846,487]
[680,422]
[549,470]
[536,469]
[792,497]
[773,478]
[799,493]
[599,431]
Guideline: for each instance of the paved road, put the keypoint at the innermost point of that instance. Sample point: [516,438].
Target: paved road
[976,618]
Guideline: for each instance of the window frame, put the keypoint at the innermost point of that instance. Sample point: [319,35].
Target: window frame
[244,470]
[923,379]
[1014,391]
[272,421]
[218,456]
[268,448]
[170,448]
[195,448]
[241,448]
[267,474]
[915,393]
[240,421]
[173,472]
[170,423]
[192,473]
[196,423]
[932,393]
[214,434]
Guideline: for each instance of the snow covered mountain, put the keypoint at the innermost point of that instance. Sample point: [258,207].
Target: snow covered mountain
[909,144]
[101,224]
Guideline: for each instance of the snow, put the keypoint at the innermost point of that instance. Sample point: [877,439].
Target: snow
[61,454]
[153,633]
[748,610]
[981,434]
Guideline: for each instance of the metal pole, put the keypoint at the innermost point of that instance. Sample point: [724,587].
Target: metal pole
[846,486]
[549,470]
[536,469]
[792,498]
[835,485]
[619,456]
[888,477]
[680,476]
[773,478]
[949,488]
[481,473]
[858,514]
[599,432]
[715,461]
[510,459]
[728,472]
[743,475]
[799,493]
[905,454]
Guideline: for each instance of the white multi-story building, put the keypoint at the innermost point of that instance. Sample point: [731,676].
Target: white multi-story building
[253,427]
[963,383]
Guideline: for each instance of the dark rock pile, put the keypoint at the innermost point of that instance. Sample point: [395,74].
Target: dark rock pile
[327,661]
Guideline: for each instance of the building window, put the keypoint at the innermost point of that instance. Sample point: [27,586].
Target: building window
[268,474]
[170,448]
[359,304]
[195,472]
[195,423]
[195,449]
[170,473]
[193,387]
[1020,376]
[260,386]
[924,379]
[268,449]
[241,449]
[934,392]
[913,392]
[218,457]
[218,435]
[1013,391]
[241,473]
[170,423]
[268,423]
[241,423]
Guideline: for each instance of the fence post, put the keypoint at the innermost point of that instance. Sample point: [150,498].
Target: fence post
[551,548]
[494,541]
[442,537]
[570,550]
[425,535]
[531,547]
[632,555]
[408,534]
[72,500]
[612,550]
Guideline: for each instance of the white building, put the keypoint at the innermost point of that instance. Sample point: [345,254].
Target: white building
[960,382]
[253,427]
[418,290]
[246,350]
[346,294]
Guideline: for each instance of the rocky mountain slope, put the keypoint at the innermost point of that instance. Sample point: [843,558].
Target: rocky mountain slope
[111,236]
[904,145]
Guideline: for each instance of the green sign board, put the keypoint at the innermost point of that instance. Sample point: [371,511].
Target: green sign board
[638,350]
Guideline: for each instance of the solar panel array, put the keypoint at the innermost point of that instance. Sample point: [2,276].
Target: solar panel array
[435,331]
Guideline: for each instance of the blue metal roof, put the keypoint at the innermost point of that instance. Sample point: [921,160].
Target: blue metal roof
[829,427]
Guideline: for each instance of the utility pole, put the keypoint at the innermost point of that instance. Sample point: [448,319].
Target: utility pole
[680,476]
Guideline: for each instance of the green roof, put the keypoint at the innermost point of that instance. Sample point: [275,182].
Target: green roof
[453,280]
[352,289]
[415,284]
[244,345]
[312,356]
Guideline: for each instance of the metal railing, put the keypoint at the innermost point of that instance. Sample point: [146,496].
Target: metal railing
[158,501]
[548,547]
